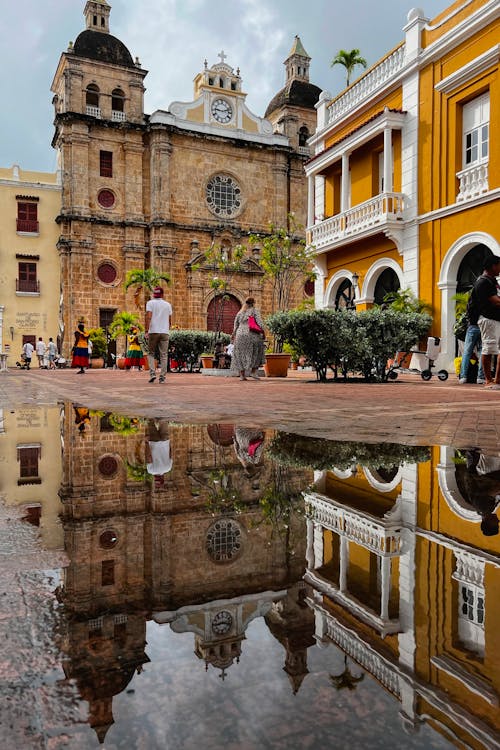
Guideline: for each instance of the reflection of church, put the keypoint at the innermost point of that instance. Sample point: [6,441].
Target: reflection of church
[406,585]
[195,552]
[157,190]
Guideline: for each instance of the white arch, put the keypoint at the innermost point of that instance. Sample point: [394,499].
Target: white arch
[448,486]
[373,273]
[333,285]
[376,481]
[448,285]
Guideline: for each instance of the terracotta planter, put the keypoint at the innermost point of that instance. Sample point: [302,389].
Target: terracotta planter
[276,365]
[207,362]
[294,366]
[120,363]
[97,363]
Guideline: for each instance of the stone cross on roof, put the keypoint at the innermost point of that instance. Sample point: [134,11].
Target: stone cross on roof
[222,56]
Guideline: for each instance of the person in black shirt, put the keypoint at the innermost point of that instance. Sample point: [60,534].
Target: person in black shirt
[486,293]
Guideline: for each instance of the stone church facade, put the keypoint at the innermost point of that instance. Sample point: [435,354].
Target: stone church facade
[157,190]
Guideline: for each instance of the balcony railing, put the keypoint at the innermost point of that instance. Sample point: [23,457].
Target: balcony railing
[117,116]
[473,181]
[27,225]
[28,285]
[372,81]
[93,111]
[382,537]
[384,208]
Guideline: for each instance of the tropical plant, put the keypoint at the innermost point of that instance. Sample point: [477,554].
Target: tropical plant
[286,260]
[144,279]
[124,425]
[122,324]
[349,60]
[99,343]
[405,300]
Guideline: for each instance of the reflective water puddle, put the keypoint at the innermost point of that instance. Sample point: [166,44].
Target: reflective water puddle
[172,585]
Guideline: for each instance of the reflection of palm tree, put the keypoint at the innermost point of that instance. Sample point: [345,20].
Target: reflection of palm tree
[345,679]
[349,60]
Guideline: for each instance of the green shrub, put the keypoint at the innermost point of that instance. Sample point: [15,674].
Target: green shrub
[189,345]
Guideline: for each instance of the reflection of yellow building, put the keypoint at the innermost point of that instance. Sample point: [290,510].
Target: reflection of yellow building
[29,259]
[406,585]
[31,465]
[403,186]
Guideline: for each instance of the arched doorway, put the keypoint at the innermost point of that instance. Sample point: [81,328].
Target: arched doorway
[387,282]
[471,267]
[221,313]
[344,299]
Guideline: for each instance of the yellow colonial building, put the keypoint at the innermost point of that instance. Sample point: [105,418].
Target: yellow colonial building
[29,259]
[405,583]
[403,187]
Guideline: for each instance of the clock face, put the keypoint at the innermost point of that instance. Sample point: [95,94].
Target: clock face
[221,110]
[222,622]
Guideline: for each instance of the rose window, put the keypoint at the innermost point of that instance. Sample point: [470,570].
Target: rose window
[224,540]
[223,195]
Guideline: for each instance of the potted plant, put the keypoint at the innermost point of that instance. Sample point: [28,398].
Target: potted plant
[286,261]
[99,347]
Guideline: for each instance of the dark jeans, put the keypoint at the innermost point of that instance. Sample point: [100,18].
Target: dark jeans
[472,341]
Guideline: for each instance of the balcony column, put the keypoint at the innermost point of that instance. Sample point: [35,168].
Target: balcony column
[344,563]
[310,201]
[344,197]
[385,572]
[388,168]
[310,543]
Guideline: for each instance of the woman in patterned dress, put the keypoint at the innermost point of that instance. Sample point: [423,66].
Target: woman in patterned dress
[134,356]
[81,349]
[248,353]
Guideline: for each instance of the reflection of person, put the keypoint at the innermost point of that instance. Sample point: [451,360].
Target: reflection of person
[158,321]
[41,348]
[82,417]
[134,356]
[248,352]
[482,488]
[486,292]
[81,349]
[159,451]
[249,447]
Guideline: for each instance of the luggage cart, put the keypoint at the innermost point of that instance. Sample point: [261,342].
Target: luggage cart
[432,351]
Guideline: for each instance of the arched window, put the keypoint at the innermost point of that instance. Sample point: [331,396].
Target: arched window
[387,282]
[471,267]
[221,313]
[303,136]
[117,100]
[92,100]
[344,299]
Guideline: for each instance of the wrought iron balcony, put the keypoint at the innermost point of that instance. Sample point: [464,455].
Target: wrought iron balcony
[28,285]
[27,225]
[369,217]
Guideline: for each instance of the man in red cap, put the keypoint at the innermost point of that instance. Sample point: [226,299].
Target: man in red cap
[158,320]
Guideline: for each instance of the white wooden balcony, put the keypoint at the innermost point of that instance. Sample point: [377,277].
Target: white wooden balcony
[117,116]
[378,535]
[473,181]
[93,111]
[370,217]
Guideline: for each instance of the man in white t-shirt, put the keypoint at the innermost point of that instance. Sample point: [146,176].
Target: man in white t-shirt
[41,348]
[159,451]
[28,349]
[158,321]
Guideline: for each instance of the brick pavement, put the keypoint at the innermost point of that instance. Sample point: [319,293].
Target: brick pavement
[406,411]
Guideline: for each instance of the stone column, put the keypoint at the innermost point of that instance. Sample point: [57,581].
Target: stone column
[344,196]
[385,571]
[310,201]
[344,563]
[388,187]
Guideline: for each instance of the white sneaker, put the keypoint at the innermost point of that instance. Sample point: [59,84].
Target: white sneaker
[462,381]
[480,381]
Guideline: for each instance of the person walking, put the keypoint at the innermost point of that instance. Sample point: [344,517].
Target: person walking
[52,353]
[488,301]
[248,339]
[134,356]
[28,350]
[472,342]
[41,348]
[158,322]
[81,349]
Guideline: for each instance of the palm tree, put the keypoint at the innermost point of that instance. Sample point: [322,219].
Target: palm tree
[122,323]
[146,279]
[349,60]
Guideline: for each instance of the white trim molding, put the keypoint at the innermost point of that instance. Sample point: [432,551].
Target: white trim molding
[373,273]
[468,71]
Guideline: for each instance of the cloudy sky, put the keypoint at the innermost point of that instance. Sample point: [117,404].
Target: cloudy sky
[172,38]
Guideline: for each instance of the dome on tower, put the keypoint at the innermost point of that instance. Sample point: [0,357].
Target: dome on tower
[94,45]
[296,93]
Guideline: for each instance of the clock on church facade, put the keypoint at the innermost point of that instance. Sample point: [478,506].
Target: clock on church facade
[157,190]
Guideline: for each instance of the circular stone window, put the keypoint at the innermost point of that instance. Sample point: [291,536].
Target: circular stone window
[106,273]
[224,540]
[108,539]
[108,466]
[223,195]
[106,198]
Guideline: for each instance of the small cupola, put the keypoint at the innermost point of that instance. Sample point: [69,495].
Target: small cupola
[297,62]
[97,15]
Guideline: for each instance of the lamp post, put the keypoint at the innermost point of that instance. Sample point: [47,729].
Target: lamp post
[354,285]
